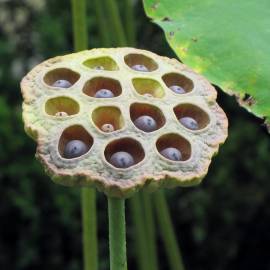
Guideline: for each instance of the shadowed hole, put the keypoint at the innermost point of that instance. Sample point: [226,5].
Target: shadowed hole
[107,117]
[134,59]
[142,109]
[94,85]
[129,145]
[75,132]
[61,74]
[176,141]
[57,105]
[101,63]
[193,111]
[148,87]
[176,79]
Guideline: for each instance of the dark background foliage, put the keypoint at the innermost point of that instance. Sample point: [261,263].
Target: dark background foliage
[221,224]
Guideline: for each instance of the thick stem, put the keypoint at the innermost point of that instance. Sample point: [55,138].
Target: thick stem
[150,230]
[117,234]
[129,22]
[167,232]
[90,252]
[115,21]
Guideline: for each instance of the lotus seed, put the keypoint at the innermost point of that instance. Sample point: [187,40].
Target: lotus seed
[148,95]
[122,159]
[62,84]
[104,93]
[62,114]
[75,148]
[142,68]
[99,68]
[189,123]
[107,128]
[177,89]
[146,123]
[171,153]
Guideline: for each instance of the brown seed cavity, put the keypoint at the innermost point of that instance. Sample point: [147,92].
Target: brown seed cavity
[129,145]
[108,118]
[75,132]
[176,141]
[177,79]
[193,111]
[61,106]
[92,86]
[101,63]
[61,74]
[134,59]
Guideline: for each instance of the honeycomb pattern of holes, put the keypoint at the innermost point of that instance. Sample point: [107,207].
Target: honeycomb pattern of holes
[108,115]
[75,132]
[193,111]
[56,105]
[176,79]
[128,145]
[101,63]
[92,86]
[134,59]
[141,109]
[61,74]
[176,141]
[148,86]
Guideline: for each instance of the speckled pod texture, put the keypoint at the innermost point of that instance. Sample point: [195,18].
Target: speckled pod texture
[54,115]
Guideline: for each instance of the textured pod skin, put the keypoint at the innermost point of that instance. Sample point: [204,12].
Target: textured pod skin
[93,169]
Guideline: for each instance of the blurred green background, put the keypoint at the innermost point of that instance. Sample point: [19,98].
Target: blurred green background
[221,224]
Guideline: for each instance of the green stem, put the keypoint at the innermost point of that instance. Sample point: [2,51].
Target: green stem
[167,232]
[102,23]
[115,21]
[129,22]
[140,232]
[150,230]
[117,234]
[79,24]
[90,251]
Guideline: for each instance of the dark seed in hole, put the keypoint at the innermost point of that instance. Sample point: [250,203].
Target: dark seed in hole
[189,123]
[104,93]
[122,159]
[61,114]
[171,153]
[146,123]
[75,148]
[107,128]
[177,89]
[99,68]
[62,84]
[142,68]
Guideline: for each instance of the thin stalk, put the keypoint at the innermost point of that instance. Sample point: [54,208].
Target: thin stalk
[115,22]
[129,22]
[117,234]
[140,232]
[167,232]
[90,251]
[102,23]
[150,230]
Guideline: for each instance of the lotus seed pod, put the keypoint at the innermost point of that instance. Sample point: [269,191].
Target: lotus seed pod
[177,89]
[171,153]
[189,122]
[75,148]
[122,160]
[80,149]
[107,128]
[142,68]
[62,84]
[104,93]
[146,123]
